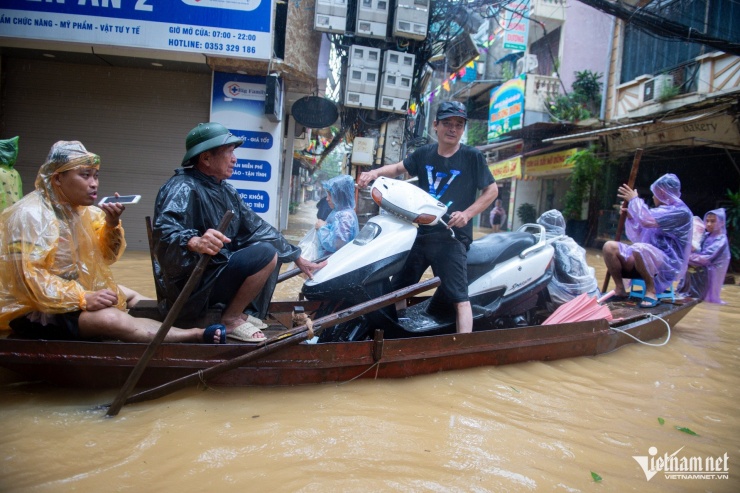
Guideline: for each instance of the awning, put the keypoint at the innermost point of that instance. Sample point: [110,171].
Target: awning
[511,57]
[579,137]
[707,125]
[497,146]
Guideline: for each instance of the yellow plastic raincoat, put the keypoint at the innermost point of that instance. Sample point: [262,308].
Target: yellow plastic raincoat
[51,253]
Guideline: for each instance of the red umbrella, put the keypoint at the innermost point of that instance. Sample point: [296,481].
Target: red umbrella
[579,309]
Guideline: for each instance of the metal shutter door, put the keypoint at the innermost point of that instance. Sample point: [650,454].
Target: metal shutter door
[135,119]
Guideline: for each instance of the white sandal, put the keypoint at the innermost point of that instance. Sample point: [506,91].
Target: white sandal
[256,322]
[246,333]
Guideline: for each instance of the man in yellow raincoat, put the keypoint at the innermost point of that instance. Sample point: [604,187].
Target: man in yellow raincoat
[55,249]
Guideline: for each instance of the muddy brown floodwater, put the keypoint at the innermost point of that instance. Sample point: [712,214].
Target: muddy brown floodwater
[540,426]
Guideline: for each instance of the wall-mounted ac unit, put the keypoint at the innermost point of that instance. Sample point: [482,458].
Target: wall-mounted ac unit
[526,64]
[652,88]
[461,51]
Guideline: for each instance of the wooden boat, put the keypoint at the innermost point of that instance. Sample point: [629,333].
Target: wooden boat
[108,364]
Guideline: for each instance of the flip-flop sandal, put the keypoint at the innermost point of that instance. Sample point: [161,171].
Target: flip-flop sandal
[648,302]
[246,333]
[209,334]
[256,322]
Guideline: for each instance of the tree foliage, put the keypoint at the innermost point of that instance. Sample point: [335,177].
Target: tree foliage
[583,102]
[585,182]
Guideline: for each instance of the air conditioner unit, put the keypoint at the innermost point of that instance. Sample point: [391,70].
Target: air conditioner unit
[652,88]
[526,64]
[461,51]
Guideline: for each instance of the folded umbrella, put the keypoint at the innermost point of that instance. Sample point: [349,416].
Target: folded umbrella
[579,309]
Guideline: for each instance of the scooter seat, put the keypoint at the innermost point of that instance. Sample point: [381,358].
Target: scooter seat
[498,247]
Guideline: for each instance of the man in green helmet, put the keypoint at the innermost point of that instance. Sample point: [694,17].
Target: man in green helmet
[242,272]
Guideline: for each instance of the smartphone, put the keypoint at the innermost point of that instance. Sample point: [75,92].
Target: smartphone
[123,199]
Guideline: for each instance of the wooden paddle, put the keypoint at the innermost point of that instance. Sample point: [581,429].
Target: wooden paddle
[623,214]
[172,315]
[293,336]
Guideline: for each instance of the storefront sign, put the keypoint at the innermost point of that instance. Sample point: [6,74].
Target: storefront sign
[509,168]
[506,109]
[237,29]
[238,103]
[554,163]
[516,27]
[715,129]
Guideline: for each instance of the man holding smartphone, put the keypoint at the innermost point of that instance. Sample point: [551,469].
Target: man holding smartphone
[244,265]
[55,249]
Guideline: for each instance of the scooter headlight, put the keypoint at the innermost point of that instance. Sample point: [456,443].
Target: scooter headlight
[367,234]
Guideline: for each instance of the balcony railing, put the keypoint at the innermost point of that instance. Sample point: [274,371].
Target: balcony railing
[714,73]
[540,91]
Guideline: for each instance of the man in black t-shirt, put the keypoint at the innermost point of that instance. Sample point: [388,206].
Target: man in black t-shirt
[452,173]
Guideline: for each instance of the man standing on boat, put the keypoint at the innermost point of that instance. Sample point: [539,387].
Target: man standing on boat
[452,173]
[242,270]
[55,249]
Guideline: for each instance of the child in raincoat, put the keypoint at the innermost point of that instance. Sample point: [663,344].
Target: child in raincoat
[708,265]
[341,226]
[10,179]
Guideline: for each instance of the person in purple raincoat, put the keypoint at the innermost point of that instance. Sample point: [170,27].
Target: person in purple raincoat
[661,239]
[708,265]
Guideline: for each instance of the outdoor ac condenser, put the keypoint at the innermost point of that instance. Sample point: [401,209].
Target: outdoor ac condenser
[652,88]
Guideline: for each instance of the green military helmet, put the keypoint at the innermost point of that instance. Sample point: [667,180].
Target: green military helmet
[208,136]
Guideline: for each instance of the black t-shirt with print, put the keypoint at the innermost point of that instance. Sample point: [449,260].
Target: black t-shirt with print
[453,180]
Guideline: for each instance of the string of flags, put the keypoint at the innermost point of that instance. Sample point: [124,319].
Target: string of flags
[455,76]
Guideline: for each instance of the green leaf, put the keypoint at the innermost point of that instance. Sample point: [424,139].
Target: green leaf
[661,421]
[686,430]
[596,477]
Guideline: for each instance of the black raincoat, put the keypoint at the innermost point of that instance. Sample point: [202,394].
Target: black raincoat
[189,204]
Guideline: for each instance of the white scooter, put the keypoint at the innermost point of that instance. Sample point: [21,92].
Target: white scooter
[507,272]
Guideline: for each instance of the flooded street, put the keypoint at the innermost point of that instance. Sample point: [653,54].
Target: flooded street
[541,426]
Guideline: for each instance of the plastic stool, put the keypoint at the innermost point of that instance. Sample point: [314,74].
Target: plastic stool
[639,293]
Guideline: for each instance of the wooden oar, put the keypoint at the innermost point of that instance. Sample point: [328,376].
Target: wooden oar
[293,336]
[623,215]
[172,315]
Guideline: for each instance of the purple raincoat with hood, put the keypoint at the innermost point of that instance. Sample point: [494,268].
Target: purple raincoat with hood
[709,265]
[661,235]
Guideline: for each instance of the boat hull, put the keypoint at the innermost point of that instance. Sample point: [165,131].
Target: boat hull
[108,364]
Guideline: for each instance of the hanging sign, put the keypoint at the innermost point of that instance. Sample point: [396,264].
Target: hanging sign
[315,112]
[506,109]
